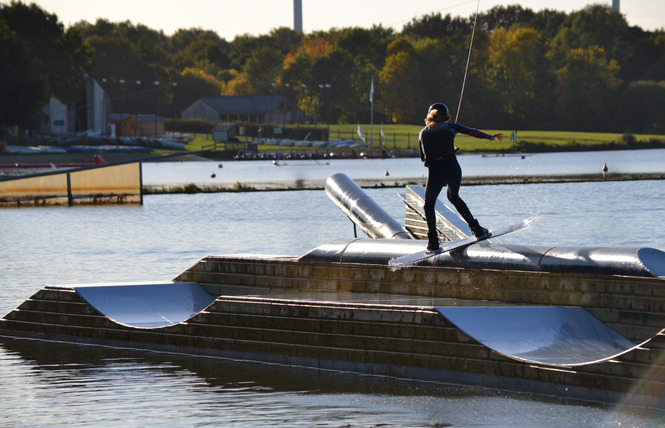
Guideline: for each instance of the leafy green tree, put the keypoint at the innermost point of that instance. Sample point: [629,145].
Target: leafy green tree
[285,39]
[595,25]
[648,60]
[516,68]
[481,100]
[150,48]
[260,60]
[655,70]
[337,68]
[182,38]
[116,59]
[421,72]
[356,57]
[22,91]
[434,26]
[263,69]
[526,69]
[547,22]
[242,48]
[367,46]
[152,44]
[586,90]
[58,56]
[641,109]
[207,55]
[401,80]
[504,17]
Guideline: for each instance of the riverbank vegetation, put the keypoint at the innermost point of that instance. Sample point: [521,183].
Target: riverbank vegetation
[529,70]
[194,188]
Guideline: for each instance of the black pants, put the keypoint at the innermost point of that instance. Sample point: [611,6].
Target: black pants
[446,172]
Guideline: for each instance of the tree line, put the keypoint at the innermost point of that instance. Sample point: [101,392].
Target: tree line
[583,71]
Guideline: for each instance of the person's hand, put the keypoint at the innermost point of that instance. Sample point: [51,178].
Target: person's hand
[496,137]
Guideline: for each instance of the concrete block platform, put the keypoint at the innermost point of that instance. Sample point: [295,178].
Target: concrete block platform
[583,337]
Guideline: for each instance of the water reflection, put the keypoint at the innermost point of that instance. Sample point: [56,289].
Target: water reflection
[56,382]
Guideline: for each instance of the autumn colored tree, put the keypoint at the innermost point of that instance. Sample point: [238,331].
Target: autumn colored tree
[195,84]
[516,67]
[400,80]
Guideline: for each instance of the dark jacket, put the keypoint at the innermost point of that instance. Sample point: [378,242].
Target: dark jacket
[438,141]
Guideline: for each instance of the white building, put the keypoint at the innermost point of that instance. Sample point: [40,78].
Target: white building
[93,116]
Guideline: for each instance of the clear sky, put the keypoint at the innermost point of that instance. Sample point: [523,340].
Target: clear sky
[229,18]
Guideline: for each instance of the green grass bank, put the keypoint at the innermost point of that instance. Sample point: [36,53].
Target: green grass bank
[404,139]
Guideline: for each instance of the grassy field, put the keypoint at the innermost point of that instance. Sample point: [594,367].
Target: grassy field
[405,138]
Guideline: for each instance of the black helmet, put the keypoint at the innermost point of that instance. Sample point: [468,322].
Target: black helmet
[440,107]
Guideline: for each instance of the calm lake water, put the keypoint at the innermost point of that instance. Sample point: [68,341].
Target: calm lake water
[401,169]
[46,384]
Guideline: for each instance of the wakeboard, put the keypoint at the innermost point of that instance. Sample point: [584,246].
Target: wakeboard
[410,259]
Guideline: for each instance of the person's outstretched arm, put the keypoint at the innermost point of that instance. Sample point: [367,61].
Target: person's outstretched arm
[460,129]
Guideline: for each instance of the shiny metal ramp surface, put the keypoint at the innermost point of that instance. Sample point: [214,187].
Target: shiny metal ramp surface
[556,336]
[147,305]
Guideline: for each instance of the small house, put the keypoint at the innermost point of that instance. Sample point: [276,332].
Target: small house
[276,109]
[224,132]
[138,125]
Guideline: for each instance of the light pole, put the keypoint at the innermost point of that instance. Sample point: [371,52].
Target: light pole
[175,108]
[287,86]
[303,88]
[122,105]
[272,95]
[104,125]
[122,97]
[327,87]
[136,125]
[156,82]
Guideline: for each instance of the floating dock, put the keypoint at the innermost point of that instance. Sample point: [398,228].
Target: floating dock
[506,317]
[118,183]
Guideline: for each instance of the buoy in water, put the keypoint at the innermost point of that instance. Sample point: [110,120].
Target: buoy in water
[213,175]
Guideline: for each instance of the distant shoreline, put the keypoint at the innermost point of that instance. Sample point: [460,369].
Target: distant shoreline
[383,182]
[72,157]
[393,183]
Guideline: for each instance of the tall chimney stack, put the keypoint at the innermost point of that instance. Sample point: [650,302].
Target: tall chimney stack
[297,15]
[615,6]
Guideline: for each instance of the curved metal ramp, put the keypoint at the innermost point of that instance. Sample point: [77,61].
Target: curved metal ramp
[555,336]
[147,305]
